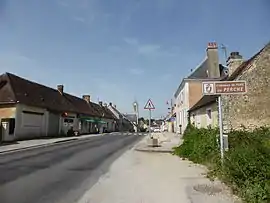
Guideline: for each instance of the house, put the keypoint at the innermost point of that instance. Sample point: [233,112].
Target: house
[189,91]
[29,109]
[205,112]
[108,120]
[123,123]
[248,110]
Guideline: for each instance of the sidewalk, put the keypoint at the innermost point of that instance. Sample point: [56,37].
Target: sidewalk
[167,142]
[27,144]
[139,177]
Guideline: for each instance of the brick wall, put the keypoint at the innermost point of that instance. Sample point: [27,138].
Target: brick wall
[252,109]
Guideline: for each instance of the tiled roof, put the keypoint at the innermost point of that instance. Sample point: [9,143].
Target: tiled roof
[102,111]
[204,101]
[19,90]
[200,72]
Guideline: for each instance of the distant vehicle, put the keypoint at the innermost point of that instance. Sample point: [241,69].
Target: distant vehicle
[157,130]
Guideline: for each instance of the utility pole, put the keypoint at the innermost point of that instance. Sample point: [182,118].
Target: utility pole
[136,110]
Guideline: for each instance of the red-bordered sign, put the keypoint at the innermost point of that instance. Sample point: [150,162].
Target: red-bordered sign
[149,105]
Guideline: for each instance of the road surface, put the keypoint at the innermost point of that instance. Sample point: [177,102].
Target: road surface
[59,173]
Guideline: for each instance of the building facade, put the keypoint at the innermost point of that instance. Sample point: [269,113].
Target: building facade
[29,109]
[189,91]
[204,113]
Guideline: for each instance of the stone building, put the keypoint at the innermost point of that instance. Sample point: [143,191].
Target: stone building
[250,110]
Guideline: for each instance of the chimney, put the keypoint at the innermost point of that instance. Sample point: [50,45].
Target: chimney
[110,104]
[86,98]
[114,106]
[212,60]
[100,103]
[60,88]
[234,61]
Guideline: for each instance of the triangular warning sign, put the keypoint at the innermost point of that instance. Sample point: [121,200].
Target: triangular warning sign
[149,105]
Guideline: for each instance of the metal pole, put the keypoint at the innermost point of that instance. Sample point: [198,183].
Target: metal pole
[220,128]
[150,122]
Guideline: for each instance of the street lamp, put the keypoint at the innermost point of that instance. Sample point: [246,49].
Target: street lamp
[136,110]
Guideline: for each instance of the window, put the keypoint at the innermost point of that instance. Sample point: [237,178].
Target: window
[209,117]
[68,120]
[11,126]
[209,113]
[182,97]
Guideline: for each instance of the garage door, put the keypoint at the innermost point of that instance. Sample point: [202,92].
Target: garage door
[32,122]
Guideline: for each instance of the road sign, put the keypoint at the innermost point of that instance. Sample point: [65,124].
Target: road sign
[149,105]
[224,87]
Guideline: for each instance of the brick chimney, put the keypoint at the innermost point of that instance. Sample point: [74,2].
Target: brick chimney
[234,61]
[86,98]
[60,89]
[212,60]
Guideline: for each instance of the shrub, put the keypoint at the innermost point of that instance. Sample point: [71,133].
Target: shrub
[246,165]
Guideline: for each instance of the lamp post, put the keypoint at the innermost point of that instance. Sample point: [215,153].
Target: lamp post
[136,110]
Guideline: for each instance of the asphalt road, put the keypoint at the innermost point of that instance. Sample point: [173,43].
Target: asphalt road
[59,173]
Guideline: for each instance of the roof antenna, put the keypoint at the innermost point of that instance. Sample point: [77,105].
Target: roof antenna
[224,48]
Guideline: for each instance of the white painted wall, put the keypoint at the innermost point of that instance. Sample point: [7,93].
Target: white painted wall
[181,108]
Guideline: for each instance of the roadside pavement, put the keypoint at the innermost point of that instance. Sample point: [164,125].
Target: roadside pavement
[166,141]
[156,177]
[27,144]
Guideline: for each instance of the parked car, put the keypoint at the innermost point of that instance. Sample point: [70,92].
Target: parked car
[157,130]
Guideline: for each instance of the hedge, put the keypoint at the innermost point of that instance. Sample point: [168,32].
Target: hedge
[246,167]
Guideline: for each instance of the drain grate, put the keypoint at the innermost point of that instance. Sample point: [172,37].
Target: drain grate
[208,189]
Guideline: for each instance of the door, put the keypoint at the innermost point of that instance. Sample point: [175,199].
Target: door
[32,123]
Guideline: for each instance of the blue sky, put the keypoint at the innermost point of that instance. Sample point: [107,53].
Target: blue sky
[119,50]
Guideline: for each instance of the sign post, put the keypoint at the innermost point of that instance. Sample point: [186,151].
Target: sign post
[223,88]
[149,106]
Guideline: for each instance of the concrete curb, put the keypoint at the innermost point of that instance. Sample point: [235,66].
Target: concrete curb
[154,150]
[38,146]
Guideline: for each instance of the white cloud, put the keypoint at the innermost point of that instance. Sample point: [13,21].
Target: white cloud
[136,71]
